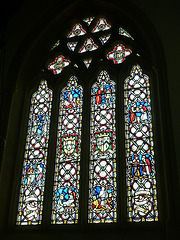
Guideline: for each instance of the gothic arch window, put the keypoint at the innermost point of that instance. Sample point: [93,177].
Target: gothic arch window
[103,122]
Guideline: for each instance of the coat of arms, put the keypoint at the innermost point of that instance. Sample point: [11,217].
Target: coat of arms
[103,141]
[69,144]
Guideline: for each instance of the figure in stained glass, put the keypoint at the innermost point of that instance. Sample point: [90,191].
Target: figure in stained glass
[102,198]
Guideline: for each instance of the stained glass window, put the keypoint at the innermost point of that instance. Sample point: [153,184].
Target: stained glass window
[88,45]
[58,64]
[68,152]
[102,172]
[119,54]
[139,144]
[35,158]
[101,25]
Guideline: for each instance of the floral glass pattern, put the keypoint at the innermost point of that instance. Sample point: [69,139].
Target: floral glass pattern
[139,144]
[101,25]
[77,30]
[35,158]
[119,54]
[88,45]
[59,64]
[102,173]
[125,33]
[68,152]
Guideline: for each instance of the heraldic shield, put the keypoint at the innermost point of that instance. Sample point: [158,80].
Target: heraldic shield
[103,141]
[68,144]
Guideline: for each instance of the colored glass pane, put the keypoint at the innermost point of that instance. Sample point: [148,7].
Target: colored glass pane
[125,33]
[59,64]
[104,39]
[35,158]
[87,62]
[101,25]
[77,30]
[68,152]
[102,173]
[140,162]
[88,45]
[88,20]
[72,45]
[56,44]
[119,54]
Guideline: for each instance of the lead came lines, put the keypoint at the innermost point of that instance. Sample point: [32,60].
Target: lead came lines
[102,183]
[140,173]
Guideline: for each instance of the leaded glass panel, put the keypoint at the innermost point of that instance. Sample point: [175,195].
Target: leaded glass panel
[139,145]
[119,54]
[88,46]
[72,45]
[104,39]
[68,152]
[125,33]
[35,158]
[58,64]
[87,62]
[101,25]
[102,167]
[77,30]
[88,21]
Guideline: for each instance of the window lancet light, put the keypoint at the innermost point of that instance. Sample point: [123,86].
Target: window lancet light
[35,158]
[68,152]
[102,167]
[141,180]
